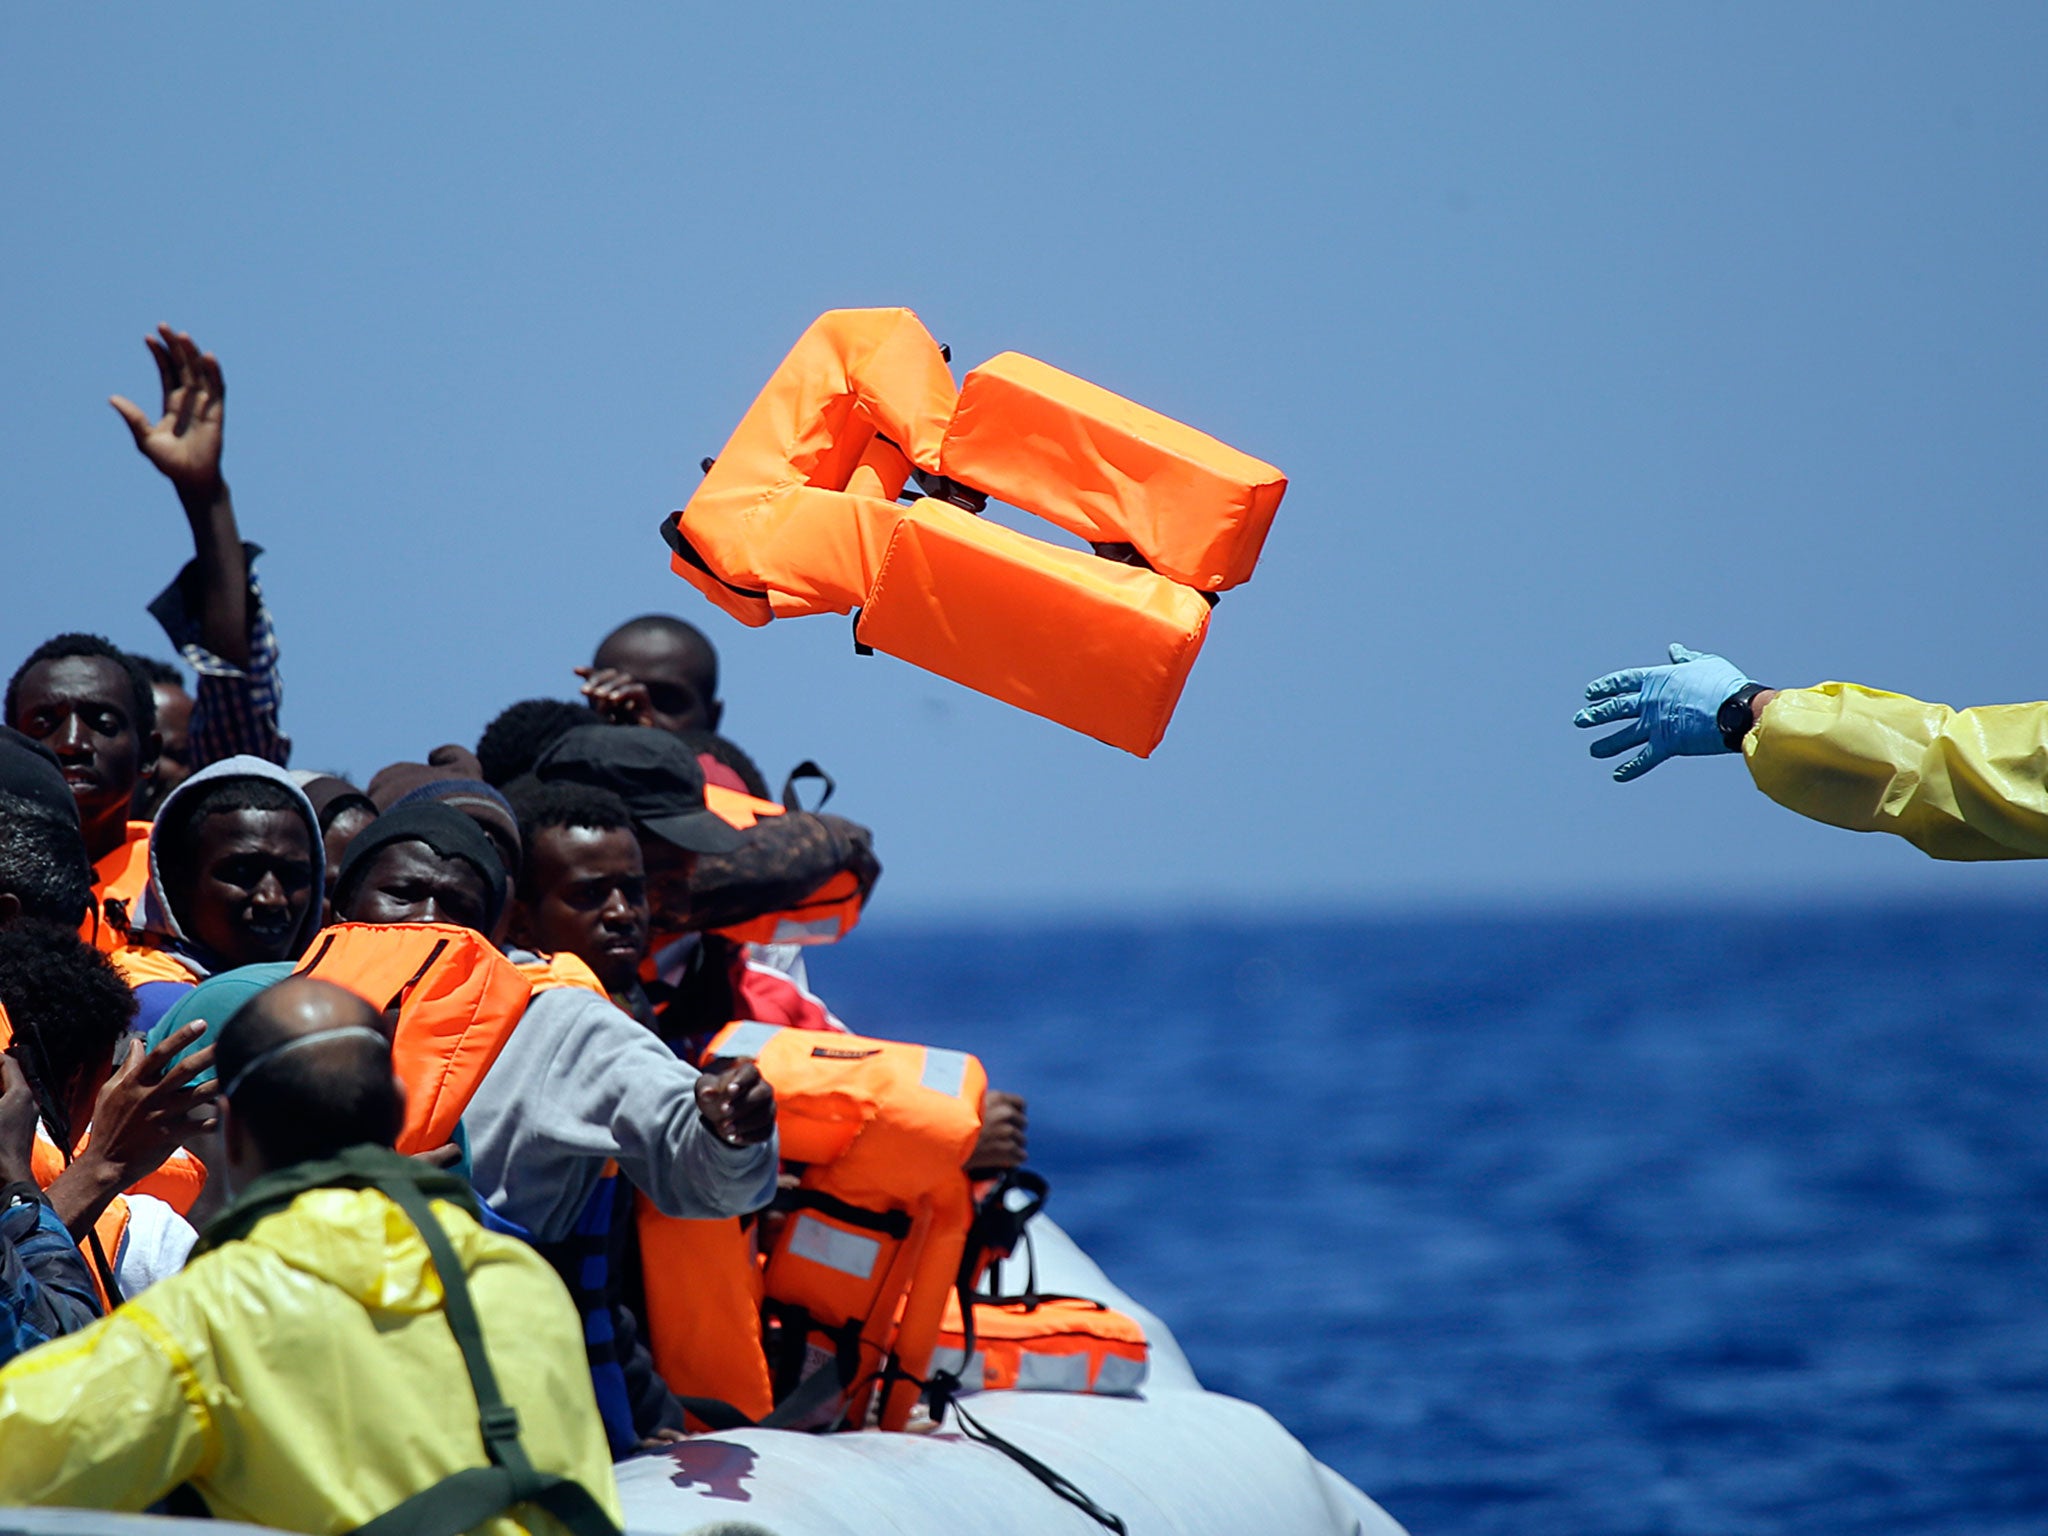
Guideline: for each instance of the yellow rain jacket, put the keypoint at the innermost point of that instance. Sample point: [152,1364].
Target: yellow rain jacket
[1956,784]
[304,1377]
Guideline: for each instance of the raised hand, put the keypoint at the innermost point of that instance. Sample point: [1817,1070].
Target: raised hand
[1673,707]
[186,442]
[622,700]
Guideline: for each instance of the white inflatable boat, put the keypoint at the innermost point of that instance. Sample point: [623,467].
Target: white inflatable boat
[1173,1461]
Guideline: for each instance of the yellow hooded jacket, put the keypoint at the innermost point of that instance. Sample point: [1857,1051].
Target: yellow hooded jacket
[304,1377]
[1956,784]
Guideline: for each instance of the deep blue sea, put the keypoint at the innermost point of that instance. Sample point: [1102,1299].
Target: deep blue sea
[1712,1222]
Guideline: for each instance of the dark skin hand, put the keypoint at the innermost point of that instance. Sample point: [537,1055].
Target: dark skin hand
[83,709]
[649,679]
[737,1105]
[147,1110]
[17,1124]
[185,445]
[1003,1142]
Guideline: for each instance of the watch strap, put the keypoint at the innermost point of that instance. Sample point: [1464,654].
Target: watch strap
[1733,716]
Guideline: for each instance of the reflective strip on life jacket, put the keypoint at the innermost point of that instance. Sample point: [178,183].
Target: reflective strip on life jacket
[451,998]
[1045,1344]
[861,1271]
[799,514]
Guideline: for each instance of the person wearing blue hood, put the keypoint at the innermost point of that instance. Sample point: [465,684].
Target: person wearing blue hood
[236,870]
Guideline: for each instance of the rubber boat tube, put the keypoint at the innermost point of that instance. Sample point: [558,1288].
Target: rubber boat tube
[1176,1460]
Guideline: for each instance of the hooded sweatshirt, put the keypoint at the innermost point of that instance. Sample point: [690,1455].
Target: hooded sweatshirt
[163,962]
[302,1378]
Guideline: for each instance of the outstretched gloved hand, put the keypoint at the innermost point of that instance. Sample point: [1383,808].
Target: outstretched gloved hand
[1673,709]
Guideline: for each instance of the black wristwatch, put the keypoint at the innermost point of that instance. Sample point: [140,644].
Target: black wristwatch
[17,1194]
[1733,715]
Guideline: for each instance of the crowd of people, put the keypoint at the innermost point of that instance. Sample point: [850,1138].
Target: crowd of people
[420,1261]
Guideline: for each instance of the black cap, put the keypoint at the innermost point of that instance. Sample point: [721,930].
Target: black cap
[655,774]
[29,769]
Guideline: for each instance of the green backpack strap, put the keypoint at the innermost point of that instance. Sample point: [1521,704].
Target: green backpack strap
[463,1500]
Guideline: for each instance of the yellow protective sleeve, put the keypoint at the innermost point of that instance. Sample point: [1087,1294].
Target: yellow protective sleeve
[112,1417]
[303,1378]
[1956,784]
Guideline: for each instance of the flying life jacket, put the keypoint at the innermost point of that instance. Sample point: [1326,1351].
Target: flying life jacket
[451,999]
[799,514]
[824,916]
[855,1288]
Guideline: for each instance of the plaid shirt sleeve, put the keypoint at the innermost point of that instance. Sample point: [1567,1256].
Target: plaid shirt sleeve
[234,710]
[45,1290]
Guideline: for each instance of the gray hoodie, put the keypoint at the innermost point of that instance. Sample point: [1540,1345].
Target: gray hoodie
[580,1084]
[161,924]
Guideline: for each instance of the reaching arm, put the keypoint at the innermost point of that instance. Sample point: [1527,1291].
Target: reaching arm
[1956,784]
[185,445]
[213,612]
[1968,784]
[65,1447]
[44,1288]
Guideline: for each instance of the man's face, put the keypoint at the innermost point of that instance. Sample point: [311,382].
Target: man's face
[340,833]
[668,883]
[410,883]
[590,901]
[246,894]
[83,709]
[174,729]
[678,677]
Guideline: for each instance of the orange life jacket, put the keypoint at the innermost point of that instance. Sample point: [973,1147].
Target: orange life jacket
[1044,1344]
[547,972]
[825,916]
[703,1288]
[46,1161]
[143,963]
[858,1278]
[118,881]
[799,514]
[452,1000]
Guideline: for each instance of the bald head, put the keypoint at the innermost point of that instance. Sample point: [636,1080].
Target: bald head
[307,1066]
[678,665]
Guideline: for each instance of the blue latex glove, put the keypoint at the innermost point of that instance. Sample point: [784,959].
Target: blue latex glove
[1673,709]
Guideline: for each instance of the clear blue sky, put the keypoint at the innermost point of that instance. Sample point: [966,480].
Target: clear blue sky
[1578,329]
